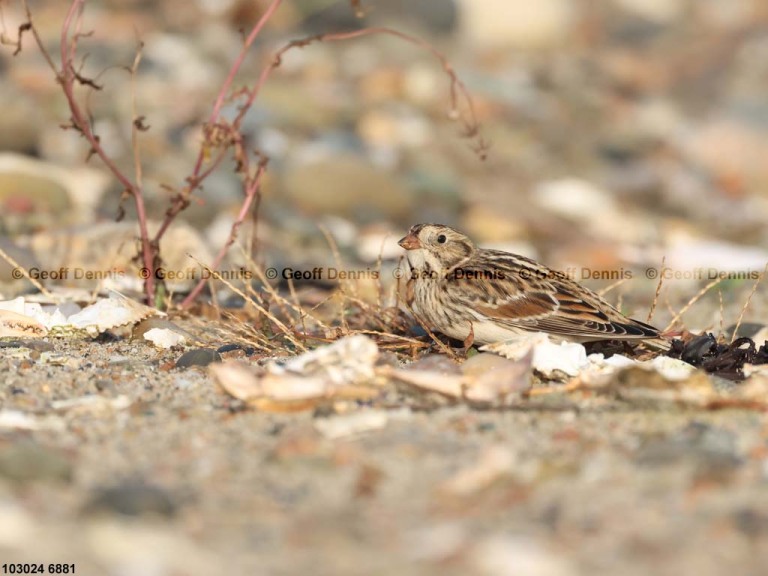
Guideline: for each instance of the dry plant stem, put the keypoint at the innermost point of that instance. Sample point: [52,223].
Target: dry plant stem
[746,304]
[36,283]
[457,87]
[252,191]
[198,175]
[68,78]
[611,287]
[722,313]
[136,123]
[435,339]
[658,291]
[691,302]
[283,328]
[457,90]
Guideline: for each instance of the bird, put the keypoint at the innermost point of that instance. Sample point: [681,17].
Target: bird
[486,296]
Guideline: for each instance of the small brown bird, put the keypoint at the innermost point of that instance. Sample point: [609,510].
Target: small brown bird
[486,296]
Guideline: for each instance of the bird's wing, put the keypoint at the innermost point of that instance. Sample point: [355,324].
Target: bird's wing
[520,293]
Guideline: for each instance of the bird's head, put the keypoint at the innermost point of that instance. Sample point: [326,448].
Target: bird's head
[436,247]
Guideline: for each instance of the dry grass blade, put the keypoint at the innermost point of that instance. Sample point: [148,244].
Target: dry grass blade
[5,256]
[283,328]
[435,339]
[611,287]
[658,291]
[746,304]
[691,302]
[337,259]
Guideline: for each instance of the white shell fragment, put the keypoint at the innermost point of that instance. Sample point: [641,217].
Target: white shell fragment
[548,357]
[165,337]
[107,313]
[317,374]
[349,360]
[352,424]
[236,378]
[17,420]
[484,378]
[92,404]
[14,325]
[103,315]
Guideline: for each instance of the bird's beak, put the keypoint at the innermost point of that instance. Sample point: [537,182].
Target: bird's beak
[410,242]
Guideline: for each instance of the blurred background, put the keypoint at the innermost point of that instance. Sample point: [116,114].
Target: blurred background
[623,134]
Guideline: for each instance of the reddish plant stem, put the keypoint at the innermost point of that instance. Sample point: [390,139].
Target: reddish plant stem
[457,86]
[196,178]
[457,89]
[253,193]
[67,77]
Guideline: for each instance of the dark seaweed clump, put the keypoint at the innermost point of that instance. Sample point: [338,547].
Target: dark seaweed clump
[724,360]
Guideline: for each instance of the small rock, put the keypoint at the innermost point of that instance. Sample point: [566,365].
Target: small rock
[348,186]
[27,461]
[198,357]
[133,499]
[713,450]
[37,345]
[498,24]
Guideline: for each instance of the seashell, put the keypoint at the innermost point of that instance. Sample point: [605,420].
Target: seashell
[108,313]
[16,325]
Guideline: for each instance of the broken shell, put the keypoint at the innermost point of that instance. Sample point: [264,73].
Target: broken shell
[19,326]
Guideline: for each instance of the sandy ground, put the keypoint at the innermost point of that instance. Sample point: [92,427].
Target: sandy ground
[162,473]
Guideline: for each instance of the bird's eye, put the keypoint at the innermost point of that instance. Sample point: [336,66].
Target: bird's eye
[441,239]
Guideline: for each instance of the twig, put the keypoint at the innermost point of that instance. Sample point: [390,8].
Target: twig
[283,328]
[746,304]
[35,282]
[658,291]
[67,76]
[692,301]
[180,202]
[244,208]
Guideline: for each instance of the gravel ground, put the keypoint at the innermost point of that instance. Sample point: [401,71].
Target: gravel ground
[165,474]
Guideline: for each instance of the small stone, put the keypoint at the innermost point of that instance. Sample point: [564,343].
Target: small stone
[37,345]
[498,24]
[27,461]
[348,186]
[198,357]
[133,499]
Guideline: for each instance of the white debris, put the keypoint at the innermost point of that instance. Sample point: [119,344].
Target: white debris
[104,314]
[352,424]
[14,325]
[548,357]
[165,337]
[349,360]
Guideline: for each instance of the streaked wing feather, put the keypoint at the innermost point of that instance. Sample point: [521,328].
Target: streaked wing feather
[537,303]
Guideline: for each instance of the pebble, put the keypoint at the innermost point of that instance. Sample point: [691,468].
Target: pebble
[198,357]
[348,186]
[132,499]
[503,24]
[26,461]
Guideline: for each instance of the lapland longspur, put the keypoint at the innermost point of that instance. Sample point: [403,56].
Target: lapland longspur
[486,296]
